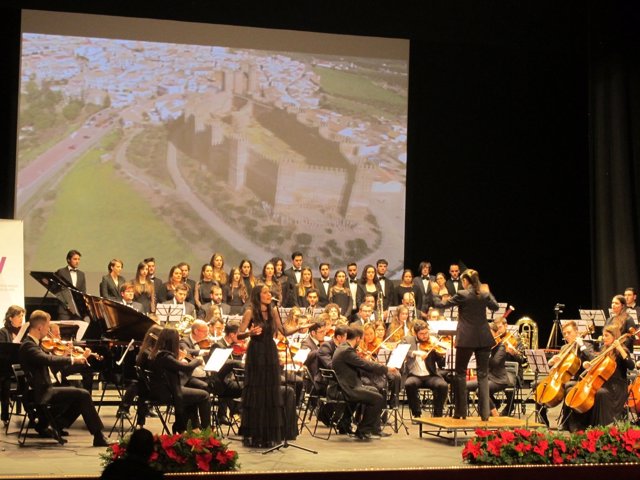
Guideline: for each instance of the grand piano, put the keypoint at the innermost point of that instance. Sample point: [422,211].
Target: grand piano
[108,320]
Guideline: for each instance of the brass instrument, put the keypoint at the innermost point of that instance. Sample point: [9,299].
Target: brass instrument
[184,326]
[380,306]
[528,331]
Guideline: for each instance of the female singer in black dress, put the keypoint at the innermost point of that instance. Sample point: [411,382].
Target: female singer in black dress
[340,294]
[263,423]
[237,294]
[473,335]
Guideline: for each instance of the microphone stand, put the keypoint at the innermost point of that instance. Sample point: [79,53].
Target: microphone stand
[285,443]
[556,329]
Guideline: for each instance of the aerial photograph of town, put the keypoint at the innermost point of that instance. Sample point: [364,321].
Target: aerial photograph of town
[131,149]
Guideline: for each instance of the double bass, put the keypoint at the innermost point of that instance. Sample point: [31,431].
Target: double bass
[550,391]
[582,396]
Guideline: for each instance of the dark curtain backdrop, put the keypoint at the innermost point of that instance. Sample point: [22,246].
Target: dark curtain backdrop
[615,113]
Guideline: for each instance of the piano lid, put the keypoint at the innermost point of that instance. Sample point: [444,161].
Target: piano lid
[53,282]
[115,320]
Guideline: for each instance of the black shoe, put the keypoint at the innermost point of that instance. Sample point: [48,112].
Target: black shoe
[152,414]
[459,417]
[380,434]
[345,431]
[384,417]
[484,419]
[362,436]
[99,440]
[223,421]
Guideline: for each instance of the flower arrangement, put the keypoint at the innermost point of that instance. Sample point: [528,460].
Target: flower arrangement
[610,444]
[191,451]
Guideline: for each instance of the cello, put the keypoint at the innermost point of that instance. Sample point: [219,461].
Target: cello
[550,391]
[582,396]
[633,402]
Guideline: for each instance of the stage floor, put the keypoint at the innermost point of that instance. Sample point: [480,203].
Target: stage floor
[340,452]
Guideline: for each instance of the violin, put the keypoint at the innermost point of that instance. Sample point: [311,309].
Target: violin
[282,346]
[206,343]
[582,396]
[60,348]
[633,402]
[550,391]
[432,346]
[506,337]
[370,349]
[239,348]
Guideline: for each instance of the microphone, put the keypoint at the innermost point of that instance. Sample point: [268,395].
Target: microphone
[560,305]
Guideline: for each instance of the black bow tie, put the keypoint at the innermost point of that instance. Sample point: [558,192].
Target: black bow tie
[325,281]
[381,277]
[297,270]
[353,281]
[73,269]
[425,277]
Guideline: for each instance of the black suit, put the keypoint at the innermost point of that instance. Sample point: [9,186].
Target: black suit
[451,287]
[389,292]
[426,295]
[323,297]
[290,295]
[430,379]
[64,309]
[348,365]
[68,402]
[311,361]
[109,289]
[473,335]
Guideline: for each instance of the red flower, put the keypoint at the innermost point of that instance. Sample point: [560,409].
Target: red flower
[613,431]
[196,444]
[594,435]
[204,461]
[213,442]
[560,443]
[588,445]
[173,455]
[523,433]
[483,433]
[631,437]
[154,456]
[507,436]
[471,449]
[541,448]
[223,457]
[118,451]
[523,447]
[494,446]
[169,441]
[557,458]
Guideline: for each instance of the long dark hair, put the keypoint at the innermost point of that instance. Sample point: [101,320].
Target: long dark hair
[256,313]
[168,341]
[148,343]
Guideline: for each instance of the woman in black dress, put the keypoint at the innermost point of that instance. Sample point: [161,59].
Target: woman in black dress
[13,320]
[165,383]
[265,404]
[473,335]
[143,289]
[340,294]
[237,294]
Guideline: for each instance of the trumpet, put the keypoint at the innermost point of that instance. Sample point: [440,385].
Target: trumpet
[380,305]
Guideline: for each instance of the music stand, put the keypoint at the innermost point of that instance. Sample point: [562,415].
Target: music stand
[539,366]
[285,443]
[169,314]
[596,316]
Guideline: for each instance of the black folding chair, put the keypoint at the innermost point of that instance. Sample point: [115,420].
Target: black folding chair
[146,400]
[334,403]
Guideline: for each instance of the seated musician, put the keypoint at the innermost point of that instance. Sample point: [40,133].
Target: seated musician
[127,292]
[409,301]
[68,402]
[13,320]
[180,292]
[223,383]
[196,344]
[216,328]
[165,383]
[621,319]
[584,351]
[312,342]
[515,353]
[142,361]
[400,325]
[348,367]
[609,400]
[216,300]
[499,379]
[85,370]
[424,360]
[364,316]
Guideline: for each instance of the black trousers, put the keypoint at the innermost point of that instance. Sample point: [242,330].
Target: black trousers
[69,403]
[436,384]
[373,403]
[463,355]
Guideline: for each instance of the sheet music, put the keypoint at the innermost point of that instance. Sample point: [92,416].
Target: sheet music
[598,316]
[80,324]
[301,355]
[217,359]
[442,326]
[169,313]
[537,361]
[21,332]
[398,355]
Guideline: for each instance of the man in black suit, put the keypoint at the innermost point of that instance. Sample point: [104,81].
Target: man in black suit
[224,383]
[179,300]
[454,284]
[216,299]
[71,273]
[324,283]
[126,293]
[312,342]
[186,268]
[151,265]
[348,365]
[386,285]
[423,282]
[364,315]
[352,280]
[631,297]
[69,402]
[293,273]
[423,367]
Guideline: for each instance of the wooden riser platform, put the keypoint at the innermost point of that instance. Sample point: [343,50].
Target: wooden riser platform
[451,428]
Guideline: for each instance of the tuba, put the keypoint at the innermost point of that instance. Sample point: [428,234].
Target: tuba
[184,326]
[528,331]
